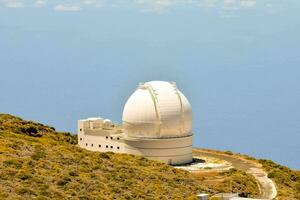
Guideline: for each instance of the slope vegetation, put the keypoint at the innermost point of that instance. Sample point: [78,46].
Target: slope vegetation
[287,180]
[36,162]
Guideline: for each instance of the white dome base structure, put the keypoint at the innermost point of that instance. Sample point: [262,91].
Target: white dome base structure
[172,151]
[157,124]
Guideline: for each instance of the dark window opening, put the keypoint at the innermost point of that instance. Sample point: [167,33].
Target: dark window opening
[92,145]
[118,138]
[80,129]
[111,138]
[118,147]
[86,144]
[106,146]
[106,137]
[99,145]
[80,139]
[111,147]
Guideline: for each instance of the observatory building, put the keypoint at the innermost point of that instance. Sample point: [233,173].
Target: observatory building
[157,124]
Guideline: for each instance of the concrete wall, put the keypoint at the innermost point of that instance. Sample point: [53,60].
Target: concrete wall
[98,139]
[102,143]
[169,150]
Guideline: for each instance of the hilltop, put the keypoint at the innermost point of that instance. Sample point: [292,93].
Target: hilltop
[38,162]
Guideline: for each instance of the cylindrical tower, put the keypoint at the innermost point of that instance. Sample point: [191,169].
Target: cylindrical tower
[157,122]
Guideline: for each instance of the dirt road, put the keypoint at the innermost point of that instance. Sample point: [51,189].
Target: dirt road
[266,185]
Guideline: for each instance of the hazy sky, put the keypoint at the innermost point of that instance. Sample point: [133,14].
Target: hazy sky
[237,61]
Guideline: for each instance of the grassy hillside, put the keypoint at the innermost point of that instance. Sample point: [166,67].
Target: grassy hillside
[287,180]
[38,162]
[234,180]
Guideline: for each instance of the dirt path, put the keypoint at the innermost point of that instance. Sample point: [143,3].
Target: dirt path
[267,186]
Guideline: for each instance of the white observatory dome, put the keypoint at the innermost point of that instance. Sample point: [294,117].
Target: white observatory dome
[157,109]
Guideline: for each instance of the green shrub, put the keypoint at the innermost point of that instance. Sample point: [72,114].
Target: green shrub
[73,173]
[23,191]
[228,152]
[63,181]
[38,153]
[30,130]
[104,155]
[297,187]
[24,175]
[14,163]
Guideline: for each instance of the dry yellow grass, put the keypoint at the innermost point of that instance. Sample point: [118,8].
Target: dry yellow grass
[36,162]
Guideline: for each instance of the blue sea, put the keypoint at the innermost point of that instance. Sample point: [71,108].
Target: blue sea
[237,61]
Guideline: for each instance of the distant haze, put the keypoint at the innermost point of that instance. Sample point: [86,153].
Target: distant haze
[237,62]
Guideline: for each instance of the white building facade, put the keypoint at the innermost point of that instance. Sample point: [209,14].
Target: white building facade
[157,124]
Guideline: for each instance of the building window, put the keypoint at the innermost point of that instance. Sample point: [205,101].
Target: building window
[86,144]
[118,147]
[118,138]
[92,145]
[106,146]
[106,137]
[111,138]
[80,129]
[99,145]
[111,147]
[80,139]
